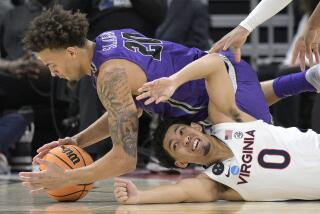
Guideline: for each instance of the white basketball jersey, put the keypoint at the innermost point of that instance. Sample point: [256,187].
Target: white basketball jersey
[270,163]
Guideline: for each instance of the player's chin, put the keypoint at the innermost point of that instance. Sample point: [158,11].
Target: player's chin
[77,79]
[72,79]
[206,149]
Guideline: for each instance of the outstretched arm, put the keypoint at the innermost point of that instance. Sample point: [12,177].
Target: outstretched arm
[238,36]
[96,132]
[162,89]
[315,17]
[311,36]
[309,43]
[222,105]
[262,12]
[199,189]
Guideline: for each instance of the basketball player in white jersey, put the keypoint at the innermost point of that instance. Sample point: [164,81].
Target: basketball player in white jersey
[245,159]
[251,161]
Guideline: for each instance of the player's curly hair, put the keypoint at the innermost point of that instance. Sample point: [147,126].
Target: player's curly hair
[157,143]
[56,28]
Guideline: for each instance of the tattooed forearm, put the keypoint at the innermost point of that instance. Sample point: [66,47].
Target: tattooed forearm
[115,94]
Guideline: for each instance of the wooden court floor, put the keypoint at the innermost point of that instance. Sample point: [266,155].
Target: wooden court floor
[16,199]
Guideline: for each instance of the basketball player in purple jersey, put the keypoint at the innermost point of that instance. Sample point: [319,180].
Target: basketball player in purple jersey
[120,62]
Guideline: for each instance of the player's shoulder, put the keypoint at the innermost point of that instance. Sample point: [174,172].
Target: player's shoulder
[116,40]
[116,33]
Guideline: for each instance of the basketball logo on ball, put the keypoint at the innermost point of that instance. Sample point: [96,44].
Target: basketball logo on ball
[68,157]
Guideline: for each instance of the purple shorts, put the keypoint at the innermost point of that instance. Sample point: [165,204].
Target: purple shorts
[249,95]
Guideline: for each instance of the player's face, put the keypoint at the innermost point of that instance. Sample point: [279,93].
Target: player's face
[62,63]
[187,144]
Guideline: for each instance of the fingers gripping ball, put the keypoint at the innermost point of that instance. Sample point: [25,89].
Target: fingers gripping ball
[69,157]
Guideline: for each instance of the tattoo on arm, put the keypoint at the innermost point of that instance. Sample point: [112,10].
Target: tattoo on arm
[115,94]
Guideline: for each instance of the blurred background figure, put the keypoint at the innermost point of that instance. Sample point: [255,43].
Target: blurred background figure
[24,80]
[187,22]
[5,6]
[103,15]
[12,127]
[305,9]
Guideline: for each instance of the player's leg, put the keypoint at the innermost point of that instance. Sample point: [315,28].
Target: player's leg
[292,84]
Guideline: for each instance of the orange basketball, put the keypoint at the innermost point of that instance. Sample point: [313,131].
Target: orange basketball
[69,157]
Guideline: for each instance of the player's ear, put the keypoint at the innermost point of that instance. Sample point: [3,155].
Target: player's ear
[181,164]
[196,126]
[71,51]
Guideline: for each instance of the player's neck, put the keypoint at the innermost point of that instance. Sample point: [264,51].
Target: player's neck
[219,151]
[89,48]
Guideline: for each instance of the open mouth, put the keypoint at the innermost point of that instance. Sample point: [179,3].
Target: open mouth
[195,144]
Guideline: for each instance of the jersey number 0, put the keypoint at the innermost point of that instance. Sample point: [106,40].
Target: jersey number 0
[274,152]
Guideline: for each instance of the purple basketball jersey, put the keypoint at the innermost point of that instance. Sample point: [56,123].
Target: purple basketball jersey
[161,59]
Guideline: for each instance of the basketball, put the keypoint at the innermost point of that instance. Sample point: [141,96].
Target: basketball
[69,157]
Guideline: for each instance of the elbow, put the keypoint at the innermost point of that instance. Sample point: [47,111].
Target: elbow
[130,165]
[235,114]
[123,160]
[127,163]
[131,169]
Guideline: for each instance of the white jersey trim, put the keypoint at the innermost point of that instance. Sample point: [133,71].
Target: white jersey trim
[184,106]
[231,71]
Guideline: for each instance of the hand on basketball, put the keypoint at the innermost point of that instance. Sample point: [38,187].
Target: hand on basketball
[157,91]
[308,44]
[51,178]
[42,151]
[235,39]
[125,191]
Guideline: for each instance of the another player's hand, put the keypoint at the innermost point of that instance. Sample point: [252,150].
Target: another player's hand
[51,178]
[42,151]
[125,191]
[234,39]
[15,67]
[35,68]
[157,91]
[307,44]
